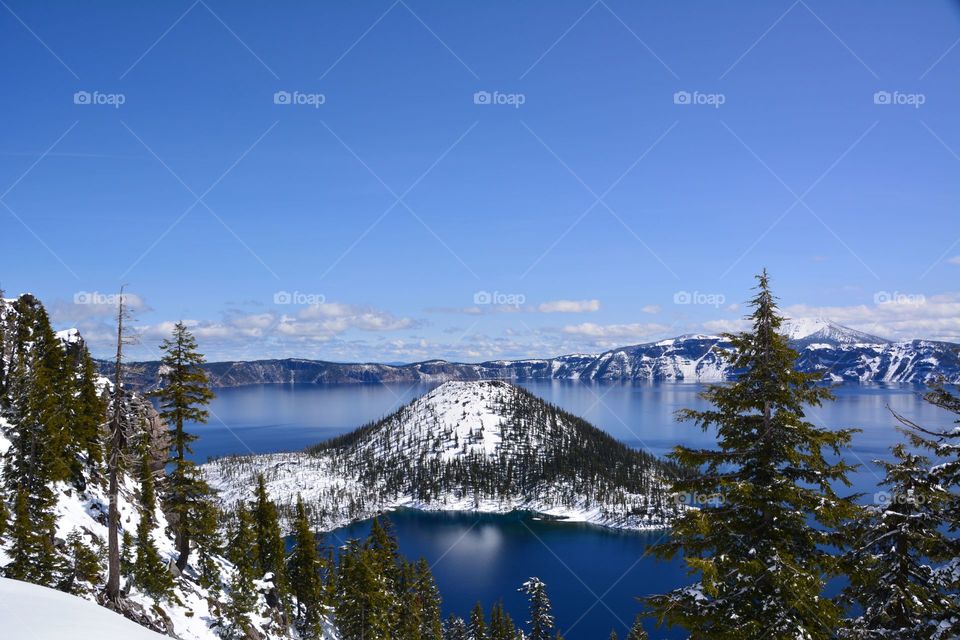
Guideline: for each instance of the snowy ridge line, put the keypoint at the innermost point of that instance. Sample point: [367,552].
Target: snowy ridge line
[839,353]
[483,446]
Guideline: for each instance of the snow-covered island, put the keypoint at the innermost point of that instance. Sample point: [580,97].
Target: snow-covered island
[483,446]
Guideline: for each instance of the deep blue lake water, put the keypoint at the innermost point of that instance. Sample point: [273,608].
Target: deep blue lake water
[593,575]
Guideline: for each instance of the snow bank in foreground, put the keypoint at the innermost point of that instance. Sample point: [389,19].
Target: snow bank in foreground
[31,612]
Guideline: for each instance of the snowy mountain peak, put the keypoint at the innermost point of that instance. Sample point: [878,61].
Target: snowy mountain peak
[820,330]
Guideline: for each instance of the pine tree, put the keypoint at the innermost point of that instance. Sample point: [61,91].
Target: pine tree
[365,602]
[891,579]
[83,567]
[87,417]
[541,619]
[944,443]
[182,398]
[637,631]
[613,634]
[243,593]
[428,600]
[206,535]
[759,544]
[149,572]
[477,629]
[455,628]
[501,624]
[304,570]
[36,395]
[271,550]
[127,554]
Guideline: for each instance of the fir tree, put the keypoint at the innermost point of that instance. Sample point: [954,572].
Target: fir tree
[455,628]
[891,579]
[477,629]
[243,593]
[83,567]
[501,624]
[613,634]
[304,569]
[759,544]
[183,396]
[128,554]
[428,601]
[206,535]
[365,602]
[149,572]
[637,631]
[36,398]
[541,619]
[944,443]
[271,550]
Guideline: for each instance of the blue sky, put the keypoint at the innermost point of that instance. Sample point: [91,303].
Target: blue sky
[479,180]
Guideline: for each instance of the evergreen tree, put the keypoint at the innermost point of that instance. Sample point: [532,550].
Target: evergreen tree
[304,569]
[477,629]
[407,621]
[613,634]
[87,417]
[128,554]
[541,619]
[206,535]
[271,550]
[428,601]
[501,624]
[944,443]
[149,572]
[365,602]
[760,544]
[243,593]
[4,515]
[891,579]
[83,567]
[455,628]
[637,631]
[183,396]
[37,393]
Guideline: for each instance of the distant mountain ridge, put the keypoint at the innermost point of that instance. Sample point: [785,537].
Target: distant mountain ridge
[842,354]
[465,446]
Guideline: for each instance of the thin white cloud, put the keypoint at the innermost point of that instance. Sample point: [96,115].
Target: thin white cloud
[651,309]
[569,306]
[953,260]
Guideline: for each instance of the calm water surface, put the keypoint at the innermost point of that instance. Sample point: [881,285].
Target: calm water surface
[593,575]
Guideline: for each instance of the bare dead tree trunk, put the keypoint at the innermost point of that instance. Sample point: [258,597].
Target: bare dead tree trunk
[117,445]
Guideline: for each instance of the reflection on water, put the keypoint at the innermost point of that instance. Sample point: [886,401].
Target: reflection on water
[487,557]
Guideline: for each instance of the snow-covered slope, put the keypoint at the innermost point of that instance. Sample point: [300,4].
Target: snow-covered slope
[32,612]
[691,358]
[805,331]
[481,445]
